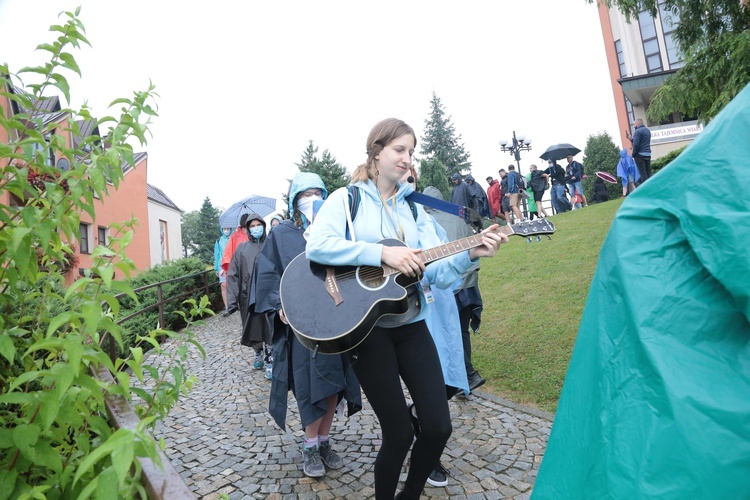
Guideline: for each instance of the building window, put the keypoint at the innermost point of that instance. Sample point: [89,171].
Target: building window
[85,237]
[650,43]
[164,240]
[46,151]
[102,235]
[631,114]
[669,21]
[620,58]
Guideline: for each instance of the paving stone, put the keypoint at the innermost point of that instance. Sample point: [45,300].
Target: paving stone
[224,444]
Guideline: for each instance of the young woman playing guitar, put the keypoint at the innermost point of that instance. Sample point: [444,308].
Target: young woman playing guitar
[406,352]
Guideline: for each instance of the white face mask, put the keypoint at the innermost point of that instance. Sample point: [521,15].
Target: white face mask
[305,205]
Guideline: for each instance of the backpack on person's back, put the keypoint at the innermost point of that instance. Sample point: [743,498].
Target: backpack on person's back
[538,181]
[521,181]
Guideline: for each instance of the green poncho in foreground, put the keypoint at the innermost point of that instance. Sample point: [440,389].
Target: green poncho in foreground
[656,401]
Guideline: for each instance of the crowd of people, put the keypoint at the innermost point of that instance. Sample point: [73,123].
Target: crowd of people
[430,349]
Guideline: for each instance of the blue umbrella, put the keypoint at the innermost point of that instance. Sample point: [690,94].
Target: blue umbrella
[261,205]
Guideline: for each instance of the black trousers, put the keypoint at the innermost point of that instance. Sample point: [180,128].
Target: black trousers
[644,167]
[385,357]
[464,317]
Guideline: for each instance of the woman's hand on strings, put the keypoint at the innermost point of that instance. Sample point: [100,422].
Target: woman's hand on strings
[405,259]
[490,242]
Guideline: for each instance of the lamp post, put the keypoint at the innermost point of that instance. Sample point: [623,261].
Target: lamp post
[514,147]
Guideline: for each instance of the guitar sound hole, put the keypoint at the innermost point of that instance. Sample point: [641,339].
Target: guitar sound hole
[371,277]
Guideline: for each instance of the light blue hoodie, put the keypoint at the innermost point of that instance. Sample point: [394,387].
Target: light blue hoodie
[303,181]
[327,241]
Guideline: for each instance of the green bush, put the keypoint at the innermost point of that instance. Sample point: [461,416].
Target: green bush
[174,311]
[56,438]
[665,160]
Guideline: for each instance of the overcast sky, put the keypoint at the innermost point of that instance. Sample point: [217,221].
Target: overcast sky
[244,85]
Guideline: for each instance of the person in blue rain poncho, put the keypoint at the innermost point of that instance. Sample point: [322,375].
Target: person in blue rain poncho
[219,246]
[628,173]
[406,352]
[318,382]
[656,401]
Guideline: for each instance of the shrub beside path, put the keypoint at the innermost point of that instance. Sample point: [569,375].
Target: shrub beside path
[222,440]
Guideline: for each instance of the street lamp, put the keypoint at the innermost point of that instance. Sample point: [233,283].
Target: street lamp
[514,147]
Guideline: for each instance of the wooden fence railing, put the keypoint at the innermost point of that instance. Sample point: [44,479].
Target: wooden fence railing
[161,483]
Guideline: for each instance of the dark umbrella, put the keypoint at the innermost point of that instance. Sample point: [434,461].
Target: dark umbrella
[560,151]
[261,205]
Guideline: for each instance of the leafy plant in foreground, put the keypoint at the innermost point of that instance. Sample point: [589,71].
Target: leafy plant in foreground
[56,439]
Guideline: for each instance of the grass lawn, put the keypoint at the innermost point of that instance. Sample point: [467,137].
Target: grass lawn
[534,295]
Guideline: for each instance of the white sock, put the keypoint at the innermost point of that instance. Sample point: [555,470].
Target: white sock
[311,442]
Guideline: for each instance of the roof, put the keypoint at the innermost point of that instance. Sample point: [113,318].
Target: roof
[156,195]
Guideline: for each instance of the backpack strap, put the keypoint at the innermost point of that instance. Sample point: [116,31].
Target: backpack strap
[354,203]
[353,200]
[413,207]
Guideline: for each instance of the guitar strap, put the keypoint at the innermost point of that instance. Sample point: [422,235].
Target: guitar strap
[467,214]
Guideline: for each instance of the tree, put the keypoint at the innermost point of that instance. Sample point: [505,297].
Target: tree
[189,228]
[207,230]
[440,141]
[333,174]
[714,38]
[601,155]
[432,173]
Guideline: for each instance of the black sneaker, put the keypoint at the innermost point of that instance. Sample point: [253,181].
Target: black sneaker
[475,380]
[438,477]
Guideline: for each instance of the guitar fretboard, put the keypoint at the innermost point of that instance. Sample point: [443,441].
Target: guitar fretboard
[452,248]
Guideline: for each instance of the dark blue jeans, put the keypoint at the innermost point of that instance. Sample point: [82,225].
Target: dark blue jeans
[557,191]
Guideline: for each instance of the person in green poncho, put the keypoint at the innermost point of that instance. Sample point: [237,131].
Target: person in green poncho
[533,212]
[656,401]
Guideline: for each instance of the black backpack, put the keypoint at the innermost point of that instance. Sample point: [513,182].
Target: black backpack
[538,182]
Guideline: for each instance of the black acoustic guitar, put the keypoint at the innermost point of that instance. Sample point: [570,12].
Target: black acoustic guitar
[333,309]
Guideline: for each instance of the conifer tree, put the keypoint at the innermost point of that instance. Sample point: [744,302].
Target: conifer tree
[440,141]
[207,231]
[334,174]
[600,155]
[432,173]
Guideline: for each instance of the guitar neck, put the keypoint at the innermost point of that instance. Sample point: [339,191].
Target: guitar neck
[452,248]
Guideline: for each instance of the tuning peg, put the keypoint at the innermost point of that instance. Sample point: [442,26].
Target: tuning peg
[549,237]
[538,239]
[528,240]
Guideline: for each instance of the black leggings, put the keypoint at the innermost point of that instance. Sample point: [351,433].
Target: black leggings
[407,352]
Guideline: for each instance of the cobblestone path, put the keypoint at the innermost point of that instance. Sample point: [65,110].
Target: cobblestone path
[222,440]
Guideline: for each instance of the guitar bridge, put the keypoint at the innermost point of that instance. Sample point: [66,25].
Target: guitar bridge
[333,287]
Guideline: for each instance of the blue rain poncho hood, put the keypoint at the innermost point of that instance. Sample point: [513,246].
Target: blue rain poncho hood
[303,181]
